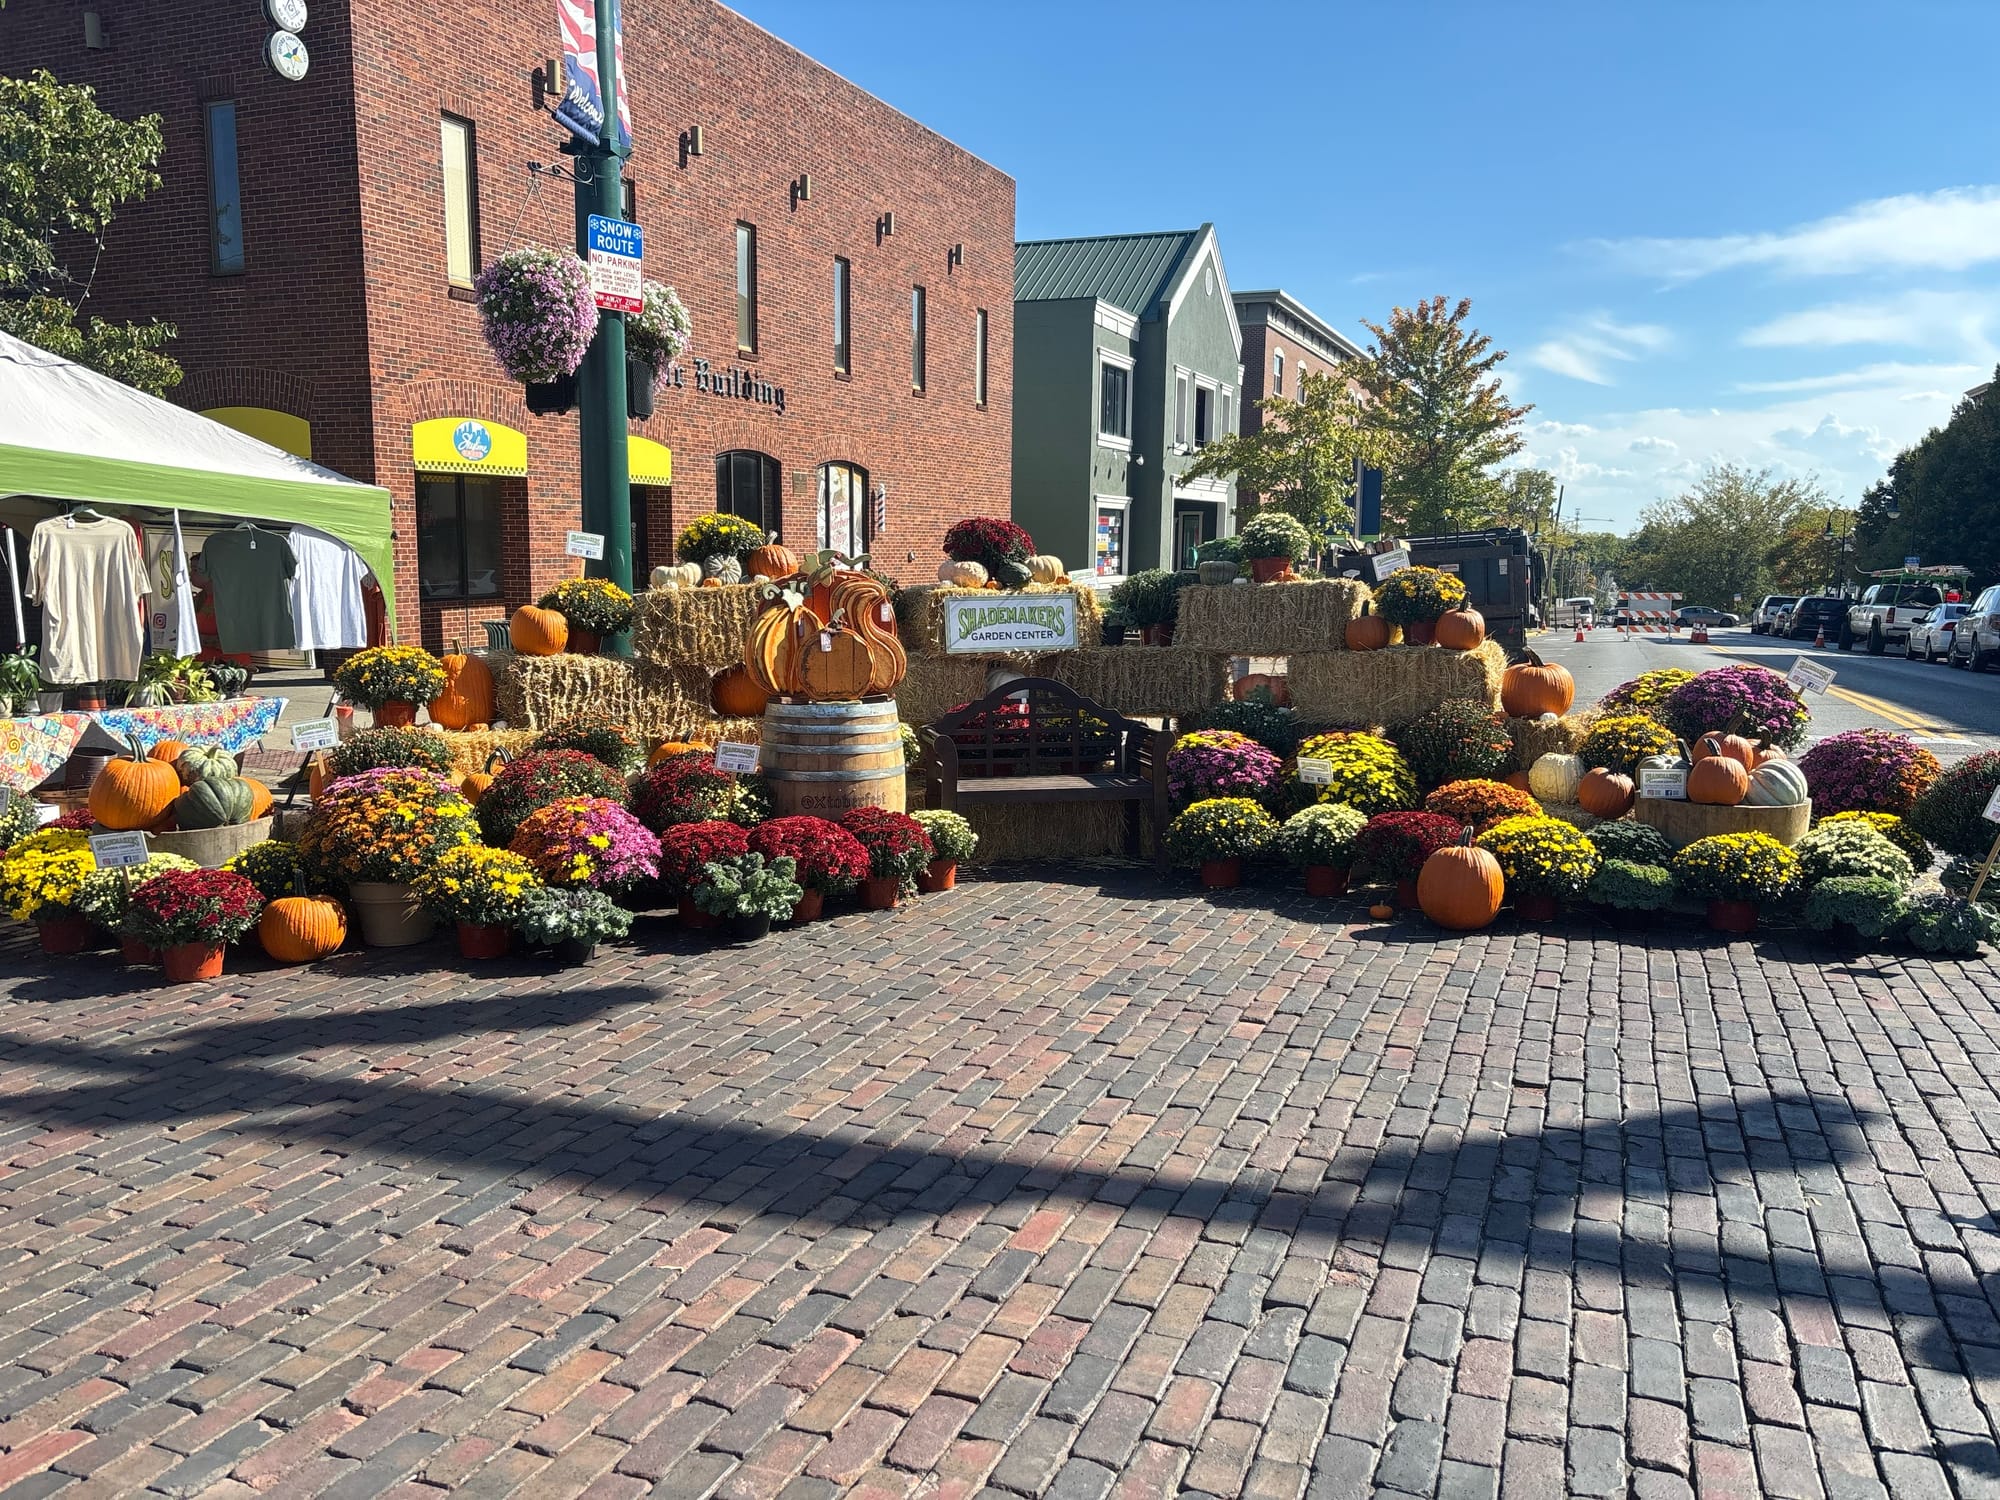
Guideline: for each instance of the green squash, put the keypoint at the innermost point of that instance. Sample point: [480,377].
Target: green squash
[205,763]
[214,804]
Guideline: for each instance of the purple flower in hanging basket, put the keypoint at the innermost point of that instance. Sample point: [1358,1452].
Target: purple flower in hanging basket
[538,313]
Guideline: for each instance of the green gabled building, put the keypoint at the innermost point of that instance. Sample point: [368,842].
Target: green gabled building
[1127,361]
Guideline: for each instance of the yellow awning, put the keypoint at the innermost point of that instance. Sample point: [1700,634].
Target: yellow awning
[468,445]
[649,462]
[278,428]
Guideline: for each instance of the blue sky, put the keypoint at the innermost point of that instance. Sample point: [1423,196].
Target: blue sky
[1766,233]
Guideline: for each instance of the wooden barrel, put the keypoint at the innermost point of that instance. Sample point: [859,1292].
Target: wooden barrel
[823,759]
[1684,822]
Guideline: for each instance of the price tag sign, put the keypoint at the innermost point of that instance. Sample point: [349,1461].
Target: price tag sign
[115,851]
[1992,812]
[1663,783]
[736,756]
[1386,563]
[1315,772]
[309,735]
[584,544]
[1809,674]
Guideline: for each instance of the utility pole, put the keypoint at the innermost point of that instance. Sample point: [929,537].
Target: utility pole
[601,414]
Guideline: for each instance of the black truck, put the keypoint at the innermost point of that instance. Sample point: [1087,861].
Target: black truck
[1497,567]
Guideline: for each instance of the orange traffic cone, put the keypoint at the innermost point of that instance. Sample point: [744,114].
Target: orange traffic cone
[1579,632]
[1819,639]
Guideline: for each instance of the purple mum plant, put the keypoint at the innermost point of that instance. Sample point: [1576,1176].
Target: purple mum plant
[538,313]
[1714,700]
[1868,770]
[1220,763]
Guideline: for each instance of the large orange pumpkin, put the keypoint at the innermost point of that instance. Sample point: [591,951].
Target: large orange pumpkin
[1367,631]
[1277,684]
[1460,629]
[736,694]
[133,793]
[1734,746]
[772,561]
[1461,886]
[1605,794]
[668,749]
[302,929]
[1532,687]
[467,698]
[534,631]
[1718,780]
[474,783]
[1517,779]
[260,797]
[168,751]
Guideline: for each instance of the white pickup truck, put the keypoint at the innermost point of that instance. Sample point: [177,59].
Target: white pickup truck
[1884,612]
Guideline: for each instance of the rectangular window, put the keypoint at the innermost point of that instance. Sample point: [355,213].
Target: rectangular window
[1180,410]
[1277,372]
[1108,546]
[1203,397]
[843,331]
[1115,413]
[461,203]
[747,485]
[225,195]
[1228,413]
[746,289]
[458,537]
[979,357]
[918,333]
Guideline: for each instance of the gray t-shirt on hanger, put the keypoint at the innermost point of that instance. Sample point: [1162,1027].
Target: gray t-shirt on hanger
[249,573]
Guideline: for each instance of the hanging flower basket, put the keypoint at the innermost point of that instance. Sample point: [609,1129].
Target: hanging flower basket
[538,313]
[551,398]
[654,338]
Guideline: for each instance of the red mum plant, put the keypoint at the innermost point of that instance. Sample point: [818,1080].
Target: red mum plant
[540,780]
[1394,845]
[987,540]
[76,820]
[896,843]
[686,847]
[682,789]
[192,906]
[829,859]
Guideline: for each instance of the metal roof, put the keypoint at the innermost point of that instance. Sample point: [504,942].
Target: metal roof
[1132,271]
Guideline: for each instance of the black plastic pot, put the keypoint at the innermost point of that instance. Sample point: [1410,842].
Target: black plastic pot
[638,388]
[749,929]
[575,951]
[551,398]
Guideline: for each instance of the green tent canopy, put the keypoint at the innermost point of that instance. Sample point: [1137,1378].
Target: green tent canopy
[72,436]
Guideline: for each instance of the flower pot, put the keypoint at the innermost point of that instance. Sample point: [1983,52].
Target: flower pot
[693,916]
[90,699]
[62,935]
[133,950]
[1269,569]
[583,642]
[1420,633]
[811,904]
[1536,906]
[575,951]
[748,929]
[186,962]
[484,940]
[396,714]
[1216,572]
[1406,894]
[1325,880]
[938,875]
[1846,938]
[550,398]
[881,892]
[1732,916]
[1221,874]
[1157,635]
[390,916]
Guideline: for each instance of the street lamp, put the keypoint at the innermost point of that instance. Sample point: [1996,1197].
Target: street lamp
[1839,545]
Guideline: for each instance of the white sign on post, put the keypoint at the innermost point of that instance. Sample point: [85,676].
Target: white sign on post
[1663,783]
[1809,675]
[737,757]
[1386,563]
[584,544]
[309,735]
[1992,812]
[975,624]
[115,851]
[1314,771]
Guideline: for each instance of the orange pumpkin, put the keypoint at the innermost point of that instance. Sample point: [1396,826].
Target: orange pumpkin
[1460,629]
[260,797]
[1277,684]
[1718,780]
[1381,911]
[302,929]
[736,696]
[1367,631]
[1733,746]
[772,561]
[1766,753]
[534,631]
[1460,887]
[1605,794]
[1517,779]
[467,698]
[668,749]
[133,793]
[168,751]
[835,666]
[1532,687]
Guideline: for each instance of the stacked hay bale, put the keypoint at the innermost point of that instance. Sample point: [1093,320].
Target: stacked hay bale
[1269,619]
[1534,738]
[1391,686]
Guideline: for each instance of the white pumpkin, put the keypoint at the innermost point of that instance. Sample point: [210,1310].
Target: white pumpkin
[966,575]
[1554,777]
[682,576]
[1045,567]
[1776,783]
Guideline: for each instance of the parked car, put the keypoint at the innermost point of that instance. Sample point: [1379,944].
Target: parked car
[1812,614]
[1883,614]
[1931,632]
[1976,641]
[1701,614]
[1765,615]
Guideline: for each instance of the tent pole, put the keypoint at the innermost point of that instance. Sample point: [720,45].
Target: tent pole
[14,577]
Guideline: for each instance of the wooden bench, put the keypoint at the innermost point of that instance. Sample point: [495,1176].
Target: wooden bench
[1033,740]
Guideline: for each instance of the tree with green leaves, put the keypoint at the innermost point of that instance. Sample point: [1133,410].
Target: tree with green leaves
[1301,460]
[1725,536]
[1430,394]
[66,168]
[1525,498]
[1945,489]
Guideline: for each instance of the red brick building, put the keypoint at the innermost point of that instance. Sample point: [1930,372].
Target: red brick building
[1283,341]
[315,241]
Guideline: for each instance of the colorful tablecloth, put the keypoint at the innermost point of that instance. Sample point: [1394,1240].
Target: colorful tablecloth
[32,747]
[234,725]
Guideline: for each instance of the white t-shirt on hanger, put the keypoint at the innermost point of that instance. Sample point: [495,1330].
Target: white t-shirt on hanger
[326,592]
[89,577]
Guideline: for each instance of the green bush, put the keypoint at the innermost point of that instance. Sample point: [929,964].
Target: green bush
[1456,741]
[1149,597]
[1871,905]
[1948,813]
[1633,842]
[1275,728]
[1849,849]
[1629,886]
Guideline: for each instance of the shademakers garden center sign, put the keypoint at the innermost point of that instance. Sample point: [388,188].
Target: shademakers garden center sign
[990,622]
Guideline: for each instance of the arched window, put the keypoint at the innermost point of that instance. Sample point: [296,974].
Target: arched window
[747,485]
[844,521]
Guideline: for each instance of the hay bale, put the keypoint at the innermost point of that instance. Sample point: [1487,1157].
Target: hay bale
[532,692]
[1534,738]
[471,748]
[695,627]
[1570,813]
[1269,619]
[938,684]
[1392,686]
[1154,682]
[1076,830]
[920,614]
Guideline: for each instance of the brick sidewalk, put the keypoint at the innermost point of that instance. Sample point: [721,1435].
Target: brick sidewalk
[1055,1189]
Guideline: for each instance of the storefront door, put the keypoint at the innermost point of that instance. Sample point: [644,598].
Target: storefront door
[1189,533]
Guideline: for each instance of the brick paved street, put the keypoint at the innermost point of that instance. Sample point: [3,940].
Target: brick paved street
[1065,1190]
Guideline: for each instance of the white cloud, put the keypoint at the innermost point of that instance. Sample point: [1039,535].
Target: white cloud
[1946,230]
[1561,429]
[1901,376]
[1585,352]
[1947,321]
[1653,445]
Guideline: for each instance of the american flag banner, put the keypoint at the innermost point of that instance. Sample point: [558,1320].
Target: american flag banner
[582,106]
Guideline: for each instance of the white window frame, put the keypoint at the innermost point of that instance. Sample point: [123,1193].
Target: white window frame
[1126,363]
[1277,372]
[1183,383]
[1100,503]
[1214,391]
